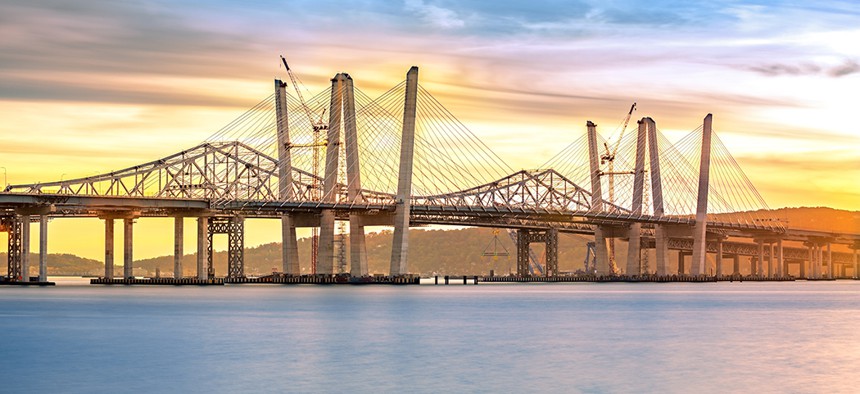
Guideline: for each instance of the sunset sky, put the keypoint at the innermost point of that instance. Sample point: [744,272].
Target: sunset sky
[90,86]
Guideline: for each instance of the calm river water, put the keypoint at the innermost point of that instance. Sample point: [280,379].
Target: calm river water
[724,337]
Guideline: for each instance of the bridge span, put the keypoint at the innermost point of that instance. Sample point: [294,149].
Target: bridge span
[402,159]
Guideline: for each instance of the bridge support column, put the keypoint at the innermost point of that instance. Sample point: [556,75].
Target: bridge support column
[699,242]
[325,253]
[806,263]
[816,257]
[357,248]
[236,248]
[43,248]
[128,247]
[634,249]
[661,249]
[202,247]
[760,268]
[736,265]
[525,238]
[109,253]
[856,263]
[25,248]
[551,240]
[830,267]
[781,266]
[178,232]
[522,252]
[289,247]
[601,253]
[400,246]
[770,260]
[719,263]
[15,251]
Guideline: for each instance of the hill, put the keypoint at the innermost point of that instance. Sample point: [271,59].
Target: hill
[451,252]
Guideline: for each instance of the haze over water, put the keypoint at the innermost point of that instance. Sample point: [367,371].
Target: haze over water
[723,337]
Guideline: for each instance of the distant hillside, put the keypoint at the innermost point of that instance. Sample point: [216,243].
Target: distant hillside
[452,252]
[64,264]
[821,218]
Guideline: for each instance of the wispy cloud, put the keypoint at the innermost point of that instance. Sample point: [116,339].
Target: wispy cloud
[848,67]
[435,15]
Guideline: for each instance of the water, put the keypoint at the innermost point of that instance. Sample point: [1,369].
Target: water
[724,337]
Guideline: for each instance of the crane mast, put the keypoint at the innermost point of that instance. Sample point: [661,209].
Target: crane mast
[608,159]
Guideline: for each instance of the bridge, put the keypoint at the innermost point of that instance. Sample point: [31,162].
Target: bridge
[402,159]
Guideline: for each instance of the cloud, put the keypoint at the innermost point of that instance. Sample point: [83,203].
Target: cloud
[434,15]
[848,67]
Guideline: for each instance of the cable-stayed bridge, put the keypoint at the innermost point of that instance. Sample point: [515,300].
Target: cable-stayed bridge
[403,159]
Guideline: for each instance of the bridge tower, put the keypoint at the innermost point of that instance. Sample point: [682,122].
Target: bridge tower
[400,246]
[661,245]
[342,111]
[697,265]
[357,249]
[634,237]
[601,251]
[325,254]
[289,244]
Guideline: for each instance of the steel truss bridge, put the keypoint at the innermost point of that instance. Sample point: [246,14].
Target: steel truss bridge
[402,159]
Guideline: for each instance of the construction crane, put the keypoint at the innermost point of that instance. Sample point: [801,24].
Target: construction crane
[318,127]
[608,158]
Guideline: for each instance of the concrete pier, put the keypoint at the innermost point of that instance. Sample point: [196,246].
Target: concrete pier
[400,245]
[760,269]
[718,269]
[128,248]
[856,262]
[109,250]
[601,253]
[830,267]
[770,262]
[25,248]
[736,265]
[781,267]
[202,247]
[178,232]
[43,248]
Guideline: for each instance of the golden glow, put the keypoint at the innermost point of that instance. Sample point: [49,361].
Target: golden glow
[80,97]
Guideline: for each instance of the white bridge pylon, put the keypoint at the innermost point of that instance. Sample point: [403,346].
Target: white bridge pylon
[407,159]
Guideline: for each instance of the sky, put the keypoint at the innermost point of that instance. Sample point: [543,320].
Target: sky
[90,86]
